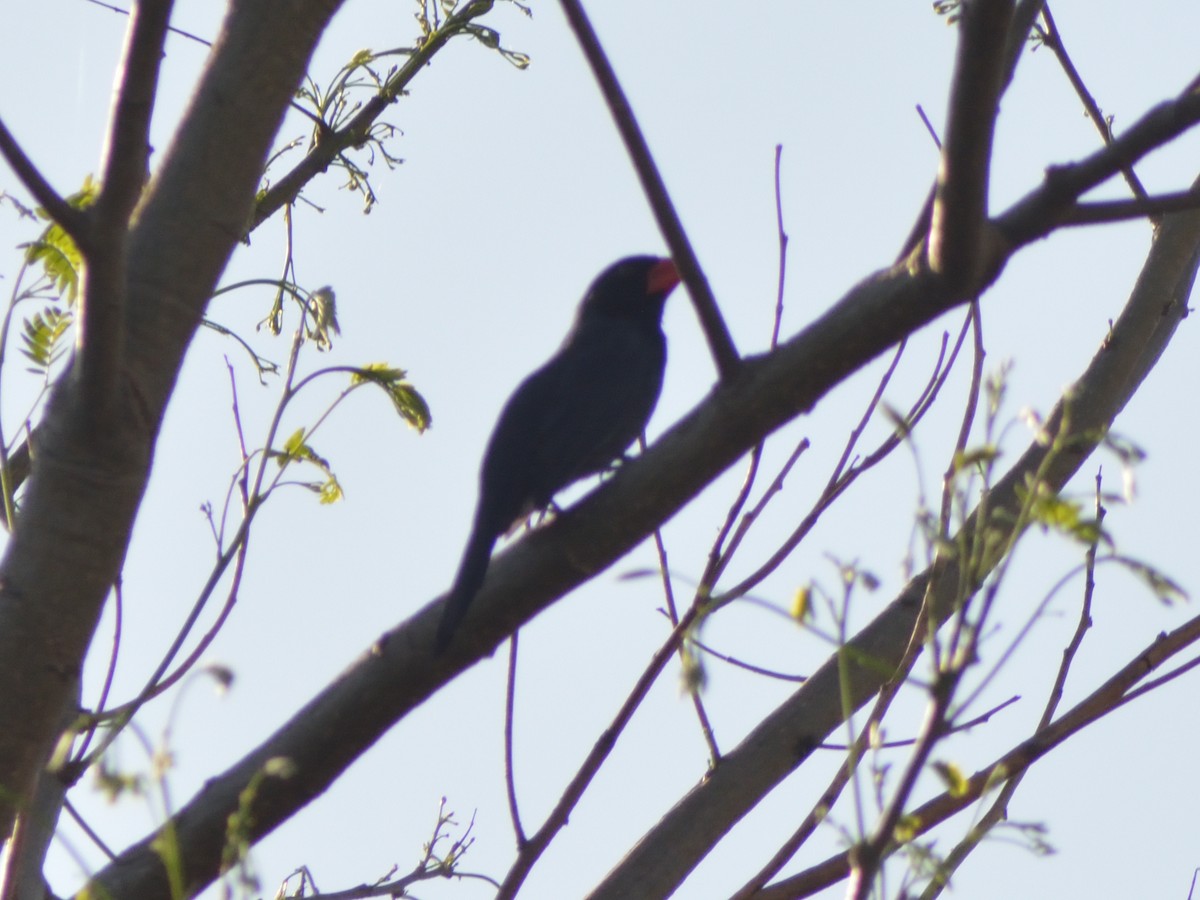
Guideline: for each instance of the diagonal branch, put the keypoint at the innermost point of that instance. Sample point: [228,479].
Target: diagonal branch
[1052,38]
[73,221]
[1107,211]
[720,342]
[960,200]
[330,143]
[1043,210]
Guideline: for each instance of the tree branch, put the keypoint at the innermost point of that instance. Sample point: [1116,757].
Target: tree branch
[127,150]
[57,569]
[1052,38]
[720,342]
[960,201]
[1044,209]
[1111,695]
[787,737]
[332,143]
[1104,212]
[123,166]
[72,221]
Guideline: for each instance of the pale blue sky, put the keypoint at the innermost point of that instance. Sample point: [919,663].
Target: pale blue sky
[513,194]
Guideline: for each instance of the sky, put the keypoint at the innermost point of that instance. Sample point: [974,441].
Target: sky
[514,192]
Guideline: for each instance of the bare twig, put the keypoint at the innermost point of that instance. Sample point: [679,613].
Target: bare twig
[689,665]
[1052,38]
[510,780]
[172,29]
[1104,211]
[783,248]
[719,556]
[536,845]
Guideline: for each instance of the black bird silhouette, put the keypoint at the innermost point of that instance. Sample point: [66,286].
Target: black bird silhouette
[573,416]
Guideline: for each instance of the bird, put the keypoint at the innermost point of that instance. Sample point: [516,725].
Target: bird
[571,418]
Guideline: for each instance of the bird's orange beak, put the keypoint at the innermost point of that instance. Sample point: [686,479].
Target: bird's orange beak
[662,278]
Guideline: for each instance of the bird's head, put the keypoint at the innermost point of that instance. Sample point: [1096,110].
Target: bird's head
[634,288]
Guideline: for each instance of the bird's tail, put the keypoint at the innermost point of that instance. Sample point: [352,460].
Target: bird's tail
[471,570]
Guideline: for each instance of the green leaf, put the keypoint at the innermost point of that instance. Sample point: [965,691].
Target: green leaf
[974,457]
[294,448]
[1057,513]
[405,398]
[331,491]
[1166,589]
[953,777]
[60,259]
[323,309]
[42,338]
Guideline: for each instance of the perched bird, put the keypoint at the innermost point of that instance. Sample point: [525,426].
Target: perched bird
[572,417]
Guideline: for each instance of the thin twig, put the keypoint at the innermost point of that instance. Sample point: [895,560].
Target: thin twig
[1052,38]
[706,729]
[783,248]
[749,667]
[88,830]
[998,808]
[1102,212]
[536,845]
[111,669]
[172,29]
[510,781]
[719,555]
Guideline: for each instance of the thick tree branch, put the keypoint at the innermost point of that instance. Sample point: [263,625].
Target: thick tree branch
[1019,28]
[960,201]
[127,151]
[720,342]
[87,482]
[123,167]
